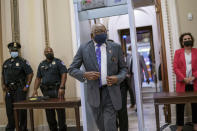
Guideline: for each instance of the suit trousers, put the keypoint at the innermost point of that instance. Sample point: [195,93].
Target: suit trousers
[122,114]
[105,114]
[180,110]
[10,98]
[131,86]
[51,114]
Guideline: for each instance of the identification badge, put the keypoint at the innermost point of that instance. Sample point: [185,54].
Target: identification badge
[17,64]
[110,51]
[53,63]
[114,59]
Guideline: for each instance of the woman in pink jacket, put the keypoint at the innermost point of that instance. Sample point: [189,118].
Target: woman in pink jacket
[185,68]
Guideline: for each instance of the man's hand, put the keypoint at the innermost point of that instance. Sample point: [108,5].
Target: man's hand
[128,75]
[25,89]
[92,75]
[35,93]
[4,88]
[191,79]
[61,93]
[112,80]
[186,80]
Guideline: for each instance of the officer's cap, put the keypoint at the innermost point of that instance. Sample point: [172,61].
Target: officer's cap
[14,46]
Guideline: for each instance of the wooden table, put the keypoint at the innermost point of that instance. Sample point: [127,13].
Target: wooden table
[172,98]
[47,104]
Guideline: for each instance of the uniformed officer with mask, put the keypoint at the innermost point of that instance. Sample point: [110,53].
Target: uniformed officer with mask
[16,78]
[51,77]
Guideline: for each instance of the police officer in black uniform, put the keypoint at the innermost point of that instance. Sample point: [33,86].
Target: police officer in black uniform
[51,77]
[16,78]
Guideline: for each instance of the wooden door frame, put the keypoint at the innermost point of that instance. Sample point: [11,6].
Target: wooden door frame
[1,49]
[164,69]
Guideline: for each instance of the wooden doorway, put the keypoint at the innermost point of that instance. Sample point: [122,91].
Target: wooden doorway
[1,56]
[145,47]
[164,70]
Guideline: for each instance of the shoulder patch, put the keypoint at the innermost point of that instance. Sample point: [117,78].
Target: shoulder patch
[62,63]
[27,62]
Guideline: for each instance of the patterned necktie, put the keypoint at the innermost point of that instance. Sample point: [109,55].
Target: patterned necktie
[98,56]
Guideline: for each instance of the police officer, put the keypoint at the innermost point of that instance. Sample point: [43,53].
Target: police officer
[16,78]
[51,77]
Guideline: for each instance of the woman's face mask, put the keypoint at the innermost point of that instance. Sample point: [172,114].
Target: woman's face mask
[188,43]
[14,54]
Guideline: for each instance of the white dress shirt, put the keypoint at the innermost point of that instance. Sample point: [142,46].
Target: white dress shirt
[103,63]
[188,65]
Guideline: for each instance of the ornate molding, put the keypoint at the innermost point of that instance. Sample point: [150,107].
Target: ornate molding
[15,20]
[1,48]
[170,35]
[168,43]
[46,25]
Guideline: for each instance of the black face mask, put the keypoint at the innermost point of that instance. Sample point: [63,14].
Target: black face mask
[101,38]
[188,43]
[50,56]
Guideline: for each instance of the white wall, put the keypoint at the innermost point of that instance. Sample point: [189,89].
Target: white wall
[183,8]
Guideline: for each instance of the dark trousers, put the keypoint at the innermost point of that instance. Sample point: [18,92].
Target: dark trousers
[105,114]
[10,98]
[180,110]
[131,89]
[122,114]
[51,114]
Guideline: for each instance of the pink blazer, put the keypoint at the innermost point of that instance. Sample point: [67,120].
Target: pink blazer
[180,68]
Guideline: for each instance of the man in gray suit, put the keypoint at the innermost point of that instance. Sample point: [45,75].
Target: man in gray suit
[142,66]
[128,78]
[105,69]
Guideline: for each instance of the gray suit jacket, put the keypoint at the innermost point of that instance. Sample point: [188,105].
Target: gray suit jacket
[115,66]
[142,66]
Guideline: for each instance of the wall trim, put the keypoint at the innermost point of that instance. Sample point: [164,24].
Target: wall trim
[46,24]
[1,49]
[168,43]
[173,19]
[15,20]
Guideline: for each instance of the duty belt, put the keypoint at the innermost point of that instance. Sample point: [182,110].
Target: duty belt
[49,87]
[12,86]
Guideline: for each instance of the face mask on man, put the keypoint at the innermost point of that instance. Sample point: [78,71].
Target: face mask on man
[14,54]
[101,38]
[188,43]
[49,56]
